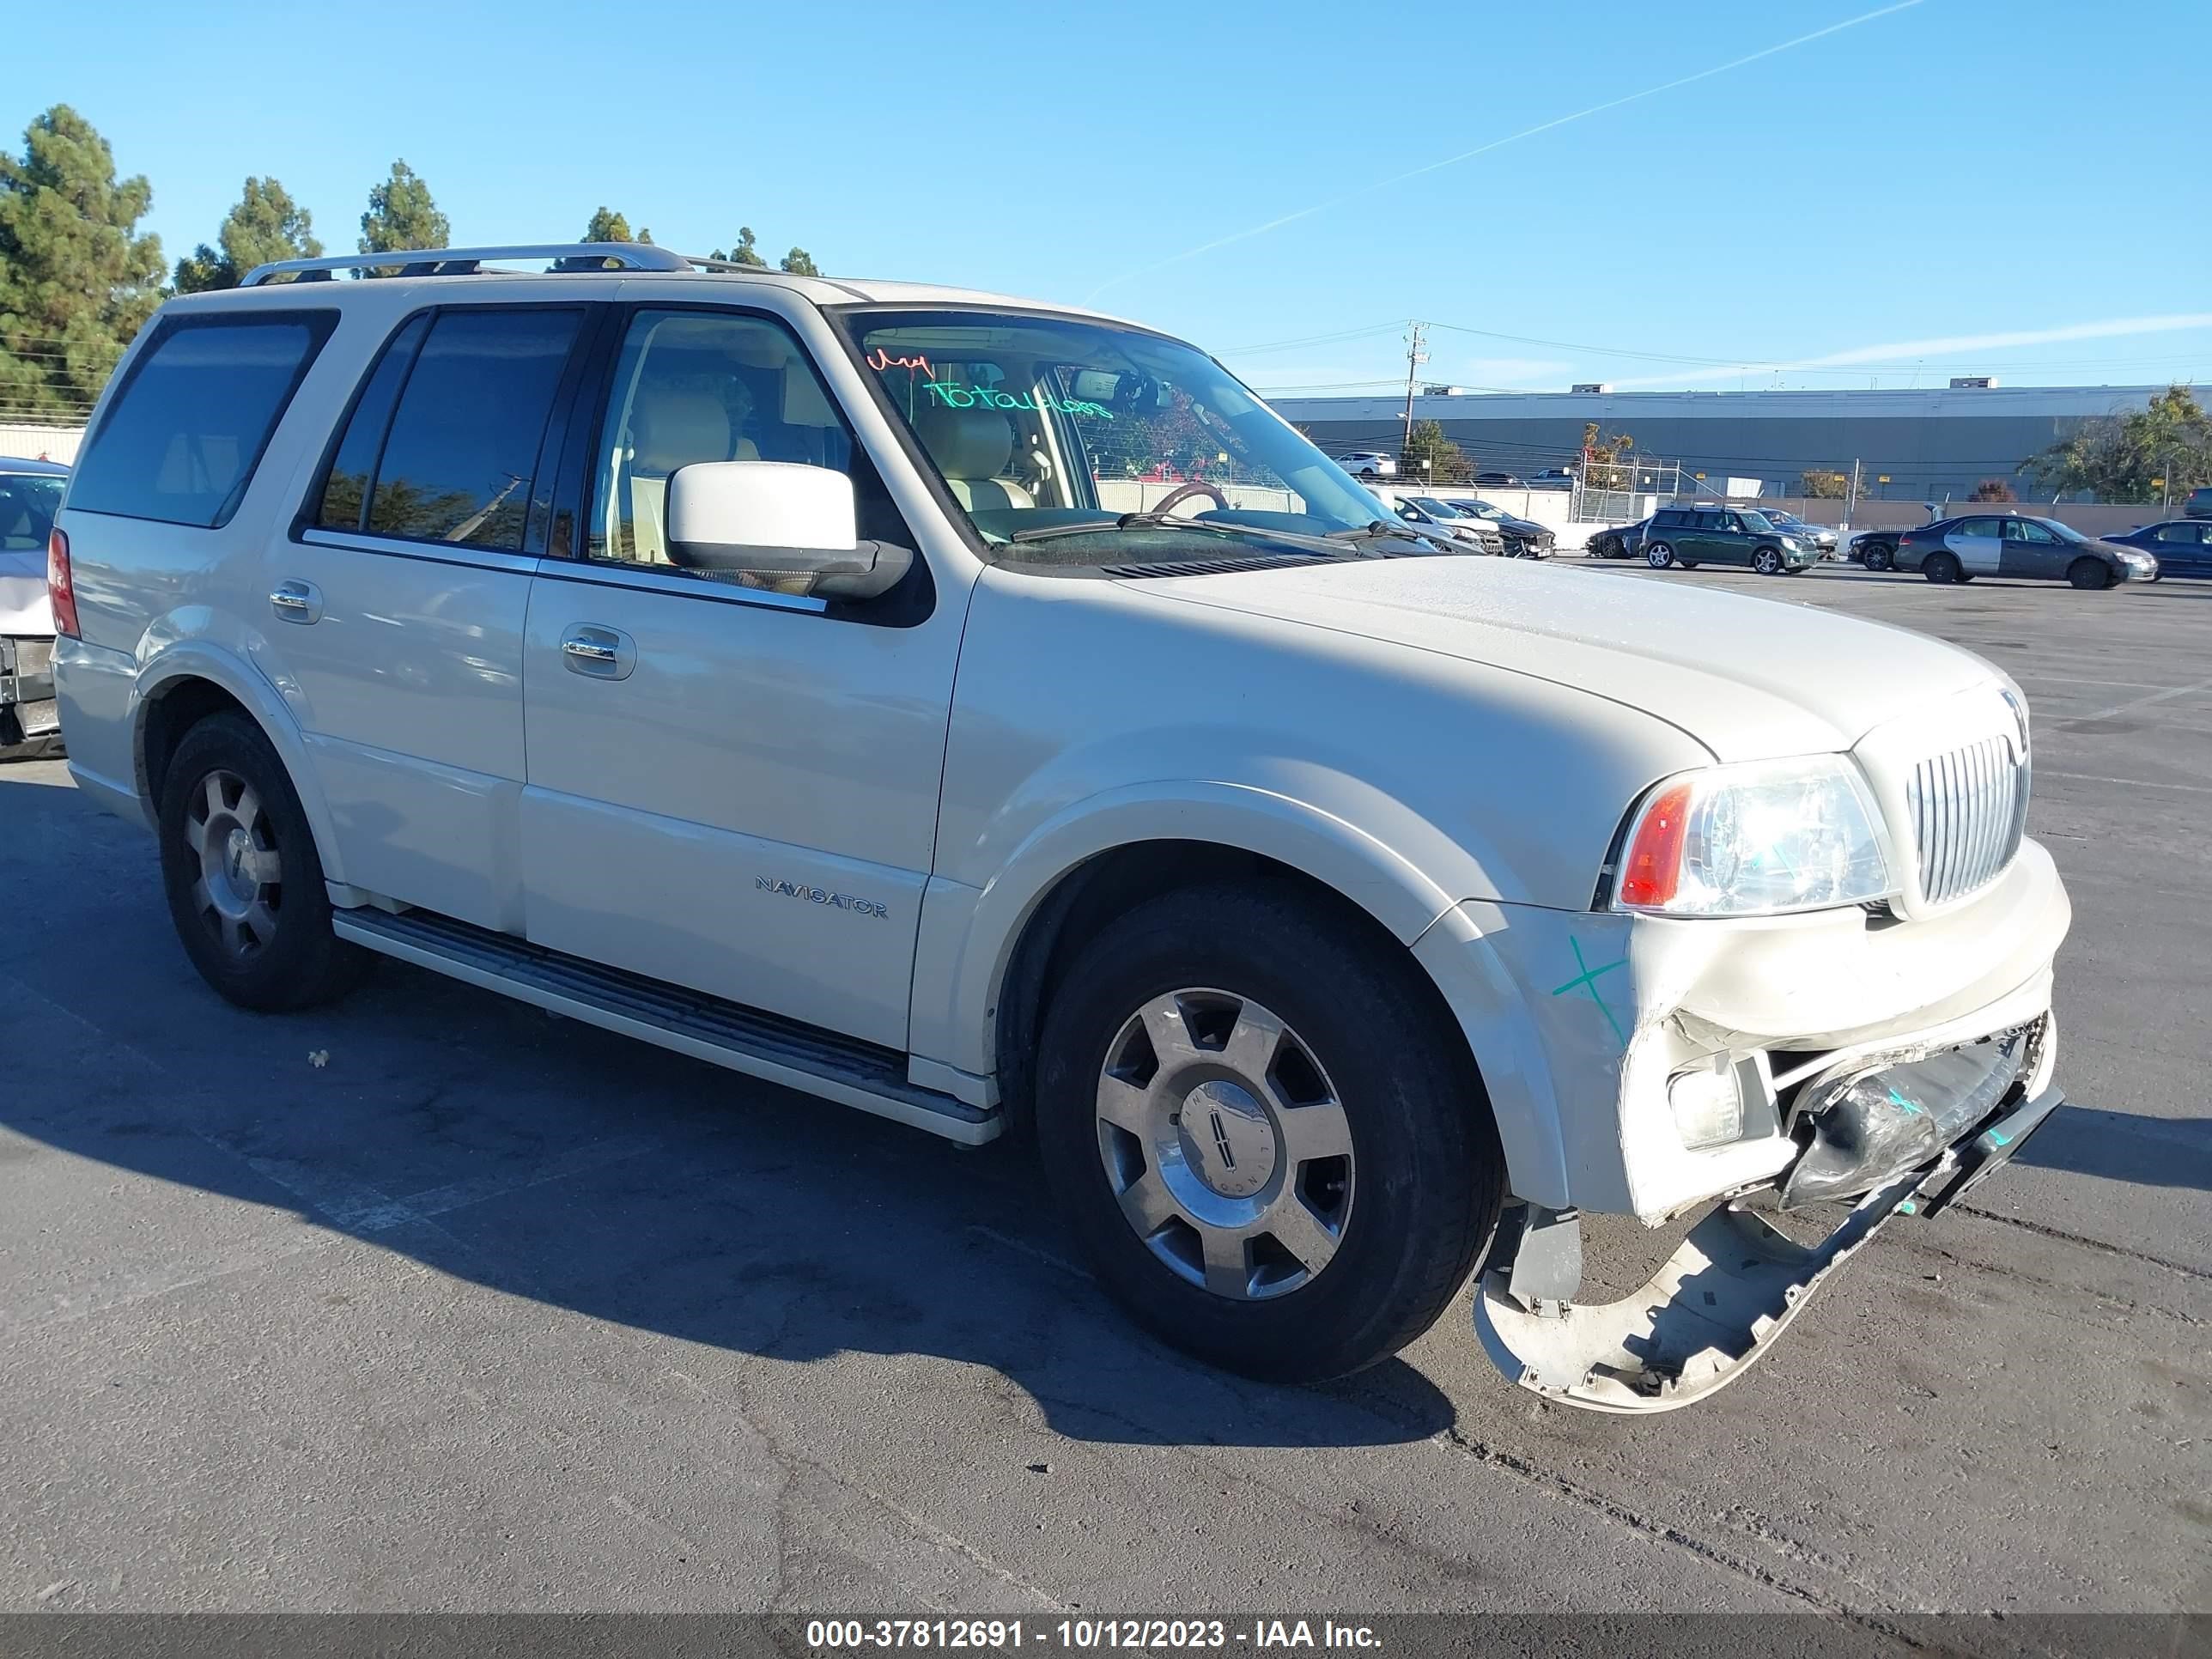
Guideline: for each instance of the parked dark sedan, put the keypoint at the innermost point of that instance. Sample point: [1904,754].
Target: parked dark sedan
[1876,549]
[1621,542]
[2011,544]
[1524,537]
[1500,480]
[2183,547]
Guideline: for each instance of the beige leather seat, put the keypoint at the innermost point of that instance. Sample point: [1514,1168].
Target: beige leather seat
[670,429]
[971,447]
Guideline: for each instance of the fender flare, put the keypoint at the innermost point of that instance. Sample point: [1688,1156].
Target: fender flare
[200,660]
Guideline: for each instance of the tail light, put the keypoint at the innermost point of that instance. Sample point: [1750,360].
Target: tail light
[61,591]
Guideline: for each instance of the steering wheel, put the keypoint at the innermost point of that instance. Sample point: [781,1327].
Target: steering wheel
[1182,493]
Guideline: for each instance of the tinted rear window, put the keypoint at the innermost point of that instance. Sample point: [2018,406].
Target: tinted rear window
[457,460]
[184,431]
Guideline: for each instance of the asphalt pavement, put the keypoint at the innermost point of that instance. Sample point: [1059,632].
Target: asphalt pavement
[431,1301]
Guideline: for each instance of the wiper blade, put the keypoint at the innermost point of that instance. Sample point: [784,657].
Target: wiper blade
[1045,533]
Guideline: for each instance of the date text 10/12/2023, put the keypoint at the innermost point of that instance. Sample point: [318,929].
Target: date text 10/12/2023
[1085,1635]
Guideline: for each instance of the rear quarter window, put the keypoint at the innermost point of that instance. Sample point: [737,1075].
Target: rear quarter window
[181,437]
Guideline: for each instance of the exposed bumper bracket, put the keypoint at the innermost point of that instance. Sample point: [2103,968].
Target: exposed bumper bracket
[1717,1304]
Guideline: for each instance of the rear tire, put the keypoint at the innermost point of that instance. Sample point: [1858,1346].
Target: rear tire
[244,879]
[2089,574]
[1941,567]
[1249,1239]
[1658,556]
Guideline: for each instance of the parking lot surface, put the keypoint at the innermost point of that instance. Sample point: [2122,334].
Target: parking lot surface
[431,1301]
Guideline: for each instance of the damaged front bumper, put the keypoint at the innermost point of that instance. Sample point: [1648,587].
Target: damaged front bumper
[1736,1281]
[28,709]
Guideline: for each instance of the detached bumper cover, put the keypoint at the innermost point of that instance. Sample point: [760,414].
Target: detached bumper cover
[1729,1289]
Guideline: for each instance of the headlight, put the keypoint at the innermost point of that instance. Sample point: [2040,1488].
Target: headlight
[1759,839]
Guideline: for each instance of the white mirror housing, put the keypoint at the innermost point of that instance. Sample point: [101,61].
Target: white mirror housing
[788,528]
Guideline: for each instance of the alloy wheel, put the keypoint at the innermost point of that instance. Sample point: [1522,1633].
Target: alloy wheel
[240,887]
[1225,1144]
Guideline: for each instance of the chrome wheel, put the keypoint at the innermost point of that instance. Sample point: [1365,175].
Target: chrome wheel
[1224,1144]
[240,878]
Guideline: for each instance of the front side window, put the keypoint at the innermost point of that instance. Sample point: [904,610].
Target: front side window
[1073,442]
[702,386]
[2026,530]
[180,440]
[28,506]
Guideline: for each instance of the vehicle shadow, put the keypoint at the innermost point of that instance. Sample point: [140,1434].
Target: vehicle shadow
[586,1172]
[2147,1151]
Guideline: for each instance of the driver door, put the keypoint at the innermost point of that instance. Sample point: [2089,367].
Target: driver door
[2029,549]
[731,789]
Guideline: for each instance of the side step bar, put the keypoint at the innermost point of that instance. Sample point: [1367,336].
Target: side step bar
[762,1045]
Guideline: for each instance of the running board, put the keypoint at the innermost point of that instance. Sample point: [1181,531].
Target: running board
[762,1045]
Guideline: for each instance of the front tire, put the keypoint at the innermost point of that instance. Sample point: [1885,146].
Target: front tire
[1877,558]
[1766,561]
[2089,574]
[1271,1145]
[1659,555]
[244,880]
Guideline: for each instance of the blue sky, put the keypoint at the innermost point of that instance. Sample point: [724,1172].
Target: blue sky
[2008,187]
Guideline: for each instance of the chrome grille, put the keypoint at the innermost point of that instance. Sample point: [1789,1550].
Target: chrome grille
[1969,809]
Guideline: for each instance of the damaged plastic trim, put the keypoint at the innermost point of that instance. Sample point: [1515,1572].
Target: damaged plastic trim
[1717,1304]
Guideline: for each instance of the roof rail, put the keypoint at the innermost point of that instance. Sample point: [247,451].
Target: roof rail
[465,261]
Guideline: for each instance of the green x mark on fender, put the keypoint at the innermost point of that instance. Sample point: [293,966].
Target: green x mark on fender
[1587,979]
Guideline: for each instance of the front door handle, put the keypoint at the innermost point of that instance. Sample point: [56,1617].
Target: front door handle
[297,602]
[602,653]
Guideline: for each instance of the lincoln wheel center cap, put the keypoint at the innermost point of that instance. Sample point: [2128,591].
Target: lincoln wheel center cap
[1228,1139]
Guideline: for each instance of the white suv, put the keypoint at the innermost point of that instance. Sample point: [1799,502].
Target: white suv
[989,714]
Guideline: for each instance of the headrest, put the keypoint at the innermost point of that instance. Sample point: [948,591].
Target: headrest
[965,443]
[669,430]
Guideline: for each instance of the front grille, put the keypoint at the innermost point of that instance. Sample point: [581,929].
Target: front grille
[1969,809]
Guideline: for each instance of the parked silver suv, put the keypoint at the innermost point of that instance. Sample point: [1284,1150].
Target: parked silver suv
[981,714]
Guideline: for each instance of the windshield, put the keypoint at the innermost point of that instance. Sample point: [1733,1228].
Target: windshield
[2065,532]
[28,506]
[1757,523]
[1482,510]
[1051,433]
[1430,505]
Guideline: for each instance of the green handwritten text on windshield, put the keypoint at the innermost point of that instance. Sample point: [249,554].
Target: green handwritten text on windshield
[977,397]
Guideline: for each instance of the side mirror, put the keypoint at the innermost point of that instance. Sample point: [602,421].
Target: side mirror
[788,529]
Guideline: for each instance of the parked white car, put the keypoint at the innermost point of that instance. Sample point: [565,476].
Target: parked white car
[30,496]
[1369,463]
[789,671]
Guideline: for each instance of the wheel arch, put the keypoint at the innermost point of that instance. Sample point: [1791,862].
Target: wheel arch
[184,685]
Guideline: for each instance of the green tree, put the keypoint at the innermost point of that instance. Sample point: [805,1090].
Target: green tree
[266,225]
[401,215]
[746,252]
[2155,454]
[1823,485]
[800,263]
[607,226]
[1447,462]
[76,282]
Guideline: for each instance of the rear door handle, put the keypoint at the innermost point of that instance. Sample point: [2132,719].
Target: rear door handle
[601,653]
[297,602]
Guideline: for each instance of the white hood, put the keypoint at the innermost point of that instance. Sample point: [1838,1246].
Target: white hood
[1749,677]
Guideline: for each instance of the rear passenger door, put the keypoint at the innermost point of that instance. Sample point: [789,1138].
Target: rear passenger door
[397,605]
[731,789]
[1979,546]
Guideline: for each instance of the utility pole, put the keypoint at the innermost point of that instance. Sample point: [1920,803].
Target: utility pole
[1851,505]
[1414,358]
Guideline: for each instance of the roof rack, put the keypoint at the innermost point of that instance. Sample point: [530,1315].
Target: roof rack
[466,261]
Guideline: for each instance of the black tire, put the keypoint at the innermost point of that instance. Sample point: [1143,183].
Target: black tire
[1425,1178]
[1685,564]
[2089,574]
[1658,554]
[1767,560]
[301,964]
[1942,568]
[1878,558]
